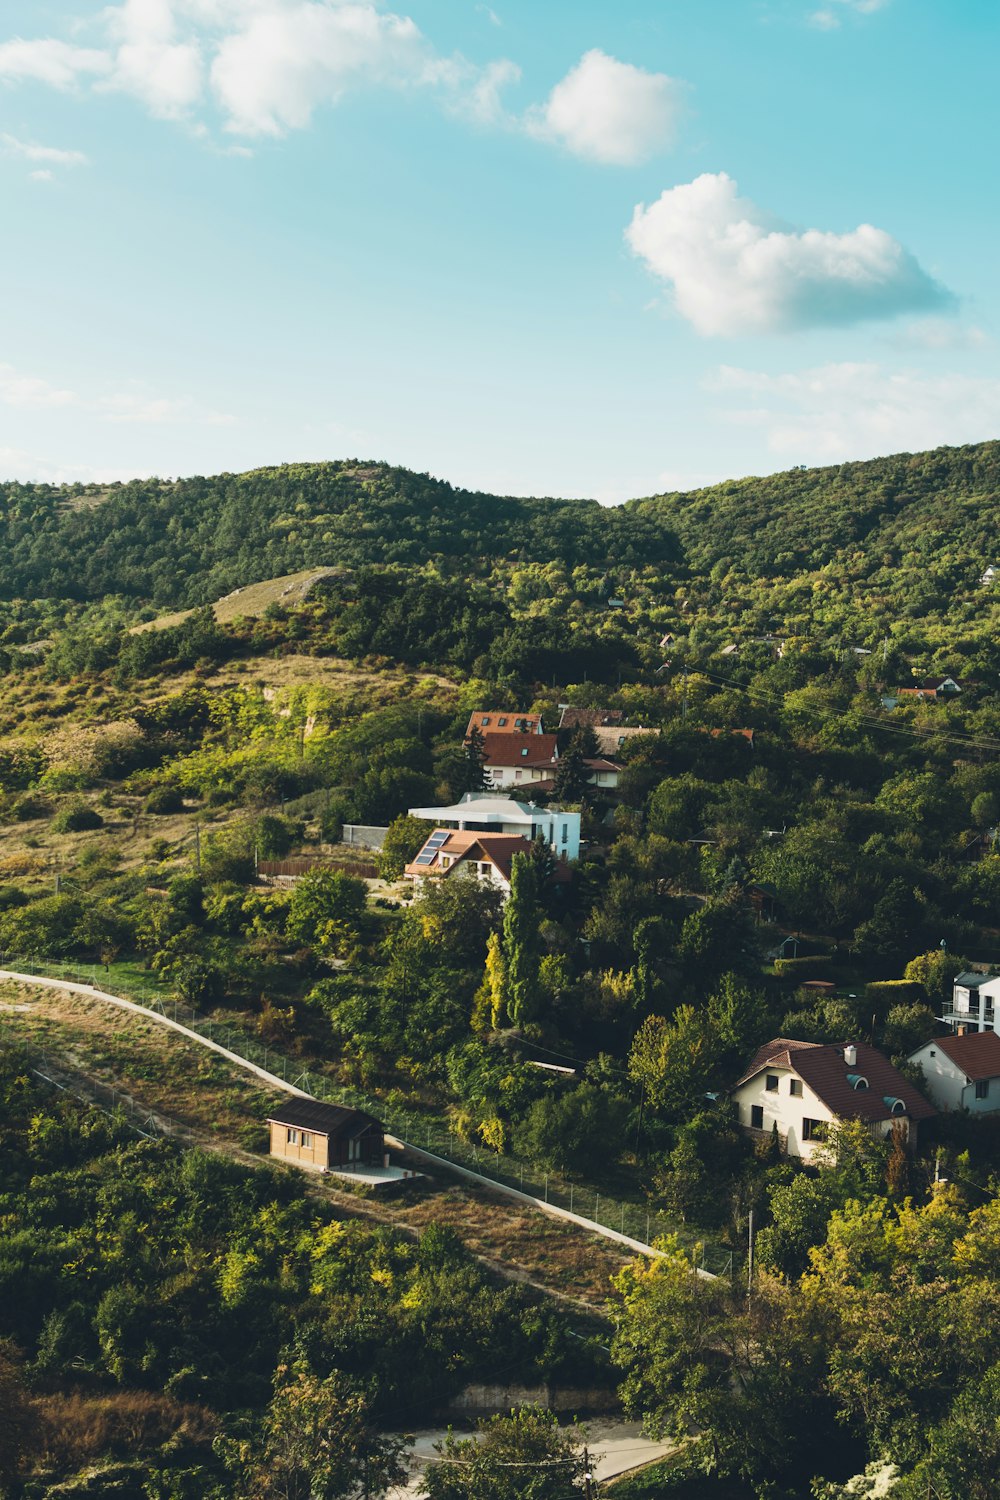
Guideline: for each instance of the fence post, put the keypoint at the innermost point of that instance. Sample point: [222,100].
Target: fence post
[546,1187]
[597,1210]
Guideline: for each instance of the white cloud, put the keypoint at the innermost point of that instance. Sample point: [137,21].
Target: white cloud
[845,411]
[271,74]
[59,64]
[30,151]
[609,111]
[267,65]
[829,20]
[29,468]
[28,392]
[736,270]
[43,176]
[31,393]
[939,334]
[150,61]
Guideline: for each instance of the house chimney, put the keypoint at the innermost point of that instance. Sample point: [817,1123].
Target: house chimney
[850,1054]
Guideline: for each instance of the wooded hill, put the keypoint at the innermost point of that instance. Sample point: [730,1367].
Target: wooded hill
[941,505]
[191,541]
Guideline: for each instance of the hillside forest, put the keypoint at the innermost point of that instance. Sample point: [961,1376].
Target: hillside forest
[180,710]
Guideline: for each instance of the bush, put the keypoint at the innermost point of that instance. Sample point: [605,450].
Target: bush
[886,992]
[26,809]
[817,967]
[77,818]
[164,801]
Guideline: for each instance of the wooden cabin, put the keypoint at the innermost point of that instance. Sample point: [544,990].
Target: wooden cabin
[326,1137]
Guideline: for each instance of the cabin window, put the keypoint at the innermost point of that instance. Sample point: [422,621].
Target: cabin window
[757,1116]
[772,1083]
[983,1088]
[795,1087]
[293,1136]
[307,1139]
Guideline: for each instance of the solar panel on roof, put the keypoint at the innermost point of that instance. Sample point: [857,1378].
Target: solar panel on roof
[424,859]
[436,840]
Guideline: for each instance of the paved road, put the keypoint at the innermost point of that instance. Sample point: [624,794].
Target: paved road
[616,1446]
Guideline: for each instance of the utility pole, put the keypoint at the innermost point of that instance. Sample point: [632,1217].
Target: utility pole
[587,1475]
[749,1254]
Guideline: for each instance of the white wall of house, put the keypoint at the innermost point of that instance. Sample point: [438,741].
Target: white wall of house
[948,1086]
[516,776]
[779,1105]
[790,1111]
[978,1009]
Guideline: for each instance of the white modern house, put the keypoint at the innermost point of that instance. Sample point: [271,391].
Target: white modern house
[962,1072]
[975,1002]
[801,1089]
[488,812]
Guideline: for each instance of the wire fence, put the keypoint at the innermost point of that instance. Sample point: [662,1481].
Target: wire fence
[422,1129]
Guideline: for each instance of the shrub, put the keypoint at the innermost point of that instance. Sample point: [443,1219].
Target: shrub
[26,809]
[164,801]
[77,818]
[817,967]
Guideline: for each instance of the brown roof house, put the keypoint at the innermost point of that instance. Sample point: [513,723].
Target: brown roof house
[962,1072]
[803,1088]
[465,854]
[327,1137]
[511,721]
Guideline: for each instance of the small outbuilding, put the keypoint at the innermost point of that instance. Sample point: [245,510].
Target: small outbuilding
[326,1137]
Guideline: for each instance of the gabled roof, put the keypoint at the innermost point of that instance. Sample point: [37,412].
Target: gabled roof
[458,845]
[824,1070]
[971,981]
[324,1119]
[509,749]
[977,1053]
[504,721]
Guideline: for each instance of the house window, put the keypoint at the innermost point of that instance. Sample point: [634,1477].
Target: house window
[293,1136]
[813,1130]
[983,1088]
[524,751]
[771,1083]
[565,836]
[307,1139]
[518,774]
[795,1087]
[757,1116]
[486,719]
[501,723]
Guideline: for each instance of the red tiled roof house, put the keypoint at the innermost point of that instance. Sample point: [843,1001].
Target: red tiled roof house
[802,1088]
[962,1072]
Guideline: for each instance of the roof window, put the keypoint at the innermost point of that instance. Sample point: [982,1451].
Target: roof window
[857,1080]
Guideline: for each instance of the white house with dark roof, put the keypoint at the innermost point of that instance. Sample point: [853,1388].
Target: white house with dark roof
[801,1089]
[962,1072]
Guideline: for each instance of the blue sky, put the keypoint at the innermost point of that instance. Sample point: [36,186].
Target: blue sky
[577,248]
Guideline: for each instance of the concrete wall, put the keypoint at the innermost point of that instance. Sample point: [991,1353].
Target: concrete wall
[489,1400]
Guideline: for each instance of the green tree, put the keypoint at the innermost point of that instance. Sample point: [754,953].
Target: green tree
[317,1442]
[326,909]
[673,1060]
[404,837]
[525,1456]
[521,941]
